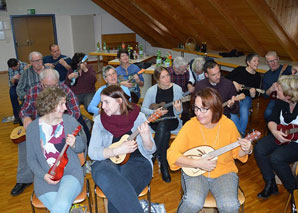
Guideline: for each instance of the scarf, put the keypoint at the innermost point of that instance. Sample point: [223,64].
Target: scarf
[118,125]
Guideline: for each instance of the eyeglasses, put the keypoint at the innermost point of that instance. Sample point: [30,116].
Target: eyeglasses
[203,110]
[111,74]
[272,61]
[36,61]
[46,85]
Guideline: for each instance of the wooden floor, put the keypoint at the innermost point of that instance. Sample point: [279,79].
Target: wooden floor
[167,193]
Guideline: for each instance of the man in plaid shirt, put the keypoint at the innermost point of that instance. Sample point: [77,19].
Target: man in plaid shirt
[15,70]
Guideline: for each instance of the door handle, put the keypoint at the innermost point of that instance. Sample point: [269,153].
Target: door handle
[28,42]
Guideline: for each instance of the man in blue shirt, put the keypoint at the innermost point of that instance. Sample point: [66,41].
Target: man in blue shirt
[271,76]
[59,62]
[15,70]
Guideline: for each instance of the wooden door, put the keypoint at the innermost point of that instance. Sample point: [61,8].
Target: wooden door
[33,33]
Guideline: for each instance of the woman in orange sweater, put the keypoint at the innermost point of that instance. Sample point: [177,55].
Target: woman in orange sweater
[209,127]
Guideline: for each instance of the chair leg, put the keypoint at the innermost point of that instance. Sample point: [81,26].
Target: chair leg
[149,198]
[242,208]
[89,195]
[287,204]
[95,198]
[33,209]
[105,203]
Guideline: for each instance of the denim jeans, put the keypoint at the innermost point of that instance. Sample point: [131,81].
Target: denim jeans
[14,101]
[241,122]
[223,188]
[62,200]
[122,183]
[269,110]
[272,157]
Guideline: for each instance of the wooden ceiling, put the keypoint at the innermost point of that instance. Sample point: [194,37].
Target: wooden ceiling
[246,25]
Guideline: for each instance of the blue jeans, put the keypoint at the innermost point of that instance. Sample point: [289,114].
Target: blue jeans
[122,183]
[223,188]
[272,157]
[14,101]
[62,200]
[269,110]
[241,122]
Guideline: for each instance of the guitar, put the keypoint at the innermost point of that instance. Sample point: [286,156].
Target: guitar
[138,73]
[122,159]
[57,169]
[164,105]
[73,80]
[239,97]
[291,130]
[257,89]
[18,135]
[207,151]
[57,62]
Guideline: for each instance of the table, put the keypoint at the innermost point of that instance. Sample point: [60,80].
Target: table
[116,62]
[112,53]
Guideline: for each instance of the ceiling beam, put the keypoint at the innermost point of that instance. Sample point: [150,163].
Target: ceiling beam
[174,32]
[264,12]
[127,22]
[239,27]
[123,8]
[199,16]
[167,10]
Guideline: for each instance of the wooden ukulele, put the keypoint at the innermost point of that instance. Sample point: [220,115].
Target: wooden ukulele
[164,105]
[18,135]
[138,73]
[257,89]
[239,97]
[57,169]
[123,158]
[207,151]
[57,62]
[73,80]
[291,130]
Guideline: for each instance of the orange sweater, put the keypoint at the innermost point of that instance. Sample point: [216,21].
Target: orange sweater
[190,136]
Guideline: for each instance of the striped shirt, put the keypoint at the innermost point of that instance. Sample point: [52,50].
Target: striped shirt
[12,72]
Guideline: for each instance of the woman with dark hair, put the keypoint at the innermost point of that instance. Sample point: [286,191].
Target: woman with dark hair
[275,158]
[121,183]
[45,139]
[167,92]
[208,128]
[128,75]
[246,80]
[81,79]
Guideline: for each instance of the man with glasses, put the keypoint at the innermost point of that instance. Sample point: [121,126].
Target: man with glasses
[48,78]
[271,76]
[30,77]
[182,76]
[224,87]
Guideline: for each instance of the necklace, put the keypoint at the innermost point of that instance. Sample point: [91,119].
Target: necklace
[216,138]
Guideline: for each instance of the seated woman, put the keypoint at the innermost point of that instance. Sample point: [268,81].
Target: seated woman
[110,76]
[163,91]
[246,80]
[45,138]
[81,79]
[121,183]
[270,156]
[210,127]
[128,75]
[196,67]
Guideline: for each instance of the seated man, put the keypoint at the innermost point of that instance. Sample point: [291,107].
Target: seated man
[128,75]
[15,70]
[81,79]
[182,76]
[59,62]
[271,76]
[196,68]
[224,87]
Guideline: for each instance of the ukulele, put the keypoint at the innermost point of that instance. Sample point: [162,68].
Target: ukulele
[73,80]
[123,158]
[207,151]
[57,62]
[257,89]
[138,73]
[57,169]
[239,97]
[164,105]
[291,130]
[18,135]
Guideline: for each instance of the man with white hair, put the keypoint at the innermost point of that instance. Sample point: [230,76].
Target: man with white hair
[182,76]
[271,76]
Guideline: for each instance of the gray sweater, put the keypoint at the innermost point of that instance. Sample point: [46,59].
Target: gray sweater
[38,163]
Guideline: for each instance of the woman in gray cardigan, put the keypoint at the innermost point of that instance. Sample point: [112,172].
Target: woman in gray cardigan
[45,138]
[167,92]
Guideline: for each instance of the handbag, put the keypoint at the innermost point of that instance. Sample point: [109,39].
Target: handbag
[155,207]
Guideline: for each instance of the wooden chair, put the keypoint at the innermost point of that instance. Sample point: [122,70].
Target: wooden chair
[210,201]
[295,193]
[36,203]
[99,193]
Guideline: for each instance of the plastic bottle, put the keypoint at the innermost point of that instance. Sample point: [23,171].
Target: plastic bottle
[104,46]
[123,45]
[141,52]
[204,47]
[158,58]
[98,46]
[167,61]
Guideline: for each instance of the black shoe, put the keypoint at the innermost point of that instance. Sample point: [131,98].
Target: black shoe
[164,168]
[19,188]
[269,189]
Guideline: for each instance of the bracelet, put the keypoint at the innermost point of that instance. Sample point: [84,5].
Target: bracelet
[249,153]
